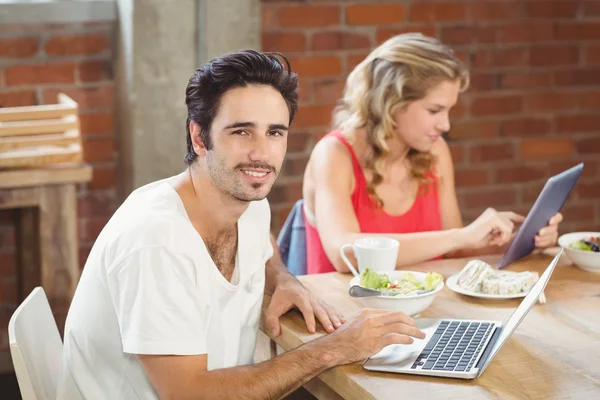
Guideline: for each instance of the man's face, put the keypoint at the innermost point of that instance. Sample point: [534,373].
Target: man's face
[249,137]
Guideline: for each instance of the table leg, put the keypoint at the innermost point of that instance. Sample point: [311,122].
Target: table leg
[27,236]
[59,246]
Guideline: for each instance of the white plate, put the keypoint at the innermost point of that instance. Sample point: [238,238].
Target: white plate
[452,283]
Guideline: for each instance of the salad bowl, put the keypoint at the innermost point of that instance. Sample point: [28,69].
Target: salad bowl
[406,283]
[579,249]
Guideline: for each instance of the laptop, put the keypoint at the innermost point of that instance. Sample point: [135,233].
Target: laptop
[456,348]
[550,201]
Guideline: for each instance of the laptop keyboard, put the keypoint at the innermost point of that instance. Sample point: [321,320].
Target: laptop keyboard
[454,346]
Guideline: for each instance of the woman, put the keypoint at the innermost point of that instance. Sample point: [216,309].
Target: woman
[386,170]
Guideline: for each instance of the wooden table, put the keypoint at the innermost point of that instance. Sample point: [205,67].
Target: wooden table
[46,227]
[553,354]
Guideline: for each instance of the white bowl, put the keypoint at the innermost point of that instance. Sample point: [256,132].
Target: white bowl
[410,305]
[585,260]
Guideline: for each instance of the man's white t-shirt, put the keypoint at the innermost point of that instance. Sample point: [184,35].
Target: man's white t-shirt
[150,286]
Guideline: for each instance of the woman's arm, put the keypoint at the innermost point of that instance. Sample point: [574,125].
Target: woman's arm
[452,219]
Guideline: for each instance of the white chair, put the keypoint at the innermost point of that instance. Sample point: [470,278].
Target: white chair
[35,347]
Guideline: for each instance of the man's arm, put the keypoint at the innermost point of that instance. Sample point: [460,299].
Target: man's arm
[185,377]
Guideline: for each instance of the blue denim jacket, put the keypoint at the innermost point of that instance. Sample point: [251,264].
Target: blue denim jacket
[292,240]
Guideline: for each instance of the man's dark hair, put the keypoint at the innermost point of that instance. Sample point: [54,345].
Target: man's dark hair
[239,69]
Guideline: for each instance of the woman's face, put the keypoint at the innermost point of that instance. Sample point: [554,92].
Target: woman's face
[423,121]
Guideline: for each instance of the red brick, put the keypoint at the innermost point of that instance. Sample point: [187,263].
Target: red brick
[98,150]
[284,42]
[329,92]
[591,54]
[457,152]
[316,66]
[471,177]
[489,198]
[587,190]
[485,10]
[550,101]
[375,14]
[525,33]
[552,9]
[64,45]
[18,98]
[93,227]
[578,123]
[384,34]
[95,205]
[579,212]
[18,47]
[92,71]
[587,146]
[483,81]
[438,12]
[474,129]
[97,124]
[86,97]
[457,35]
[501,58]
[37,74]
[520,173]
[524,80]
[578,77]
[589,100]
[286,192]
[546,148]
[526,126]
[591,8]
[304,90]
[492,152]
[353,60]
[313,116]
[304,16]
[589,171]
[555,55]
[103,178]
[496,105]
[460,109]
[578,31]
[295,166]
[298,141]
[531,191]
[339,40]
[269,18]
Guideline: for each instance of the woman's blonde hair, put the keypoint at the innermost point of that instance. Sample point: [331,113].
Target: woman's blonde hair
[396,73]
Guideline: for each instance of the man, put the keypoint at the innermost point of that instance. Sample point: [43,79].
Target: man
[169,301]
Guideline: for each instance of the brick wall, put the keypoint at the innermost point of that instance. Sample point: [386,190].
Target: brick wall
[532,110]
[36,63]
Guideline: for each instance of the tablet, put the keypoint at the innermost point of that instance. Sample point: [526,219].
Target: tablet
[549,202]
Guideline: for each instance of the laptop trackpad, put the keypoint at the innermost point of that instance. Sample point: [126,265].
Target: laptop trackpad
[403,356]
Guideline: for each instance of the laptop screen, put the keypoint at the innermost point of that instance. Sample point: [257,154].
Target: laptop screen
[515,319]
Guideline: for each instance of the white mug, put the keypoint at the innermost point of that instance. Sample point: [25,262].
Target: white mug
[376,253]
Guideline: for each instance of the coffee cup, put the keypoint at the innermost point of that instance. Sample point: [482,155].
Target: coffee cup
[376,253]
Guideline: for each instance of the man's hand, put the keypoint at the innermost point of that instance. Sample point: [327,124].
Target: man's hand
[290,293]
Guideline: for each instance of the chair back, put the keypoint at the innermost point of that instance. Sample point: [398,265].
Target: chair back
[35,347]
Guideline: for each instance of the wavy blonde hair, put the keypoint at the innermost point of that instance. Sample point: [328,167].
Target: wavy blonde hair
[396,73]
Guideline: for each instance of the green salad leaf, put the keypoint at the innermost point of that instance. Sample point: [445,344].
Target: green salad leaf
[409,283]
